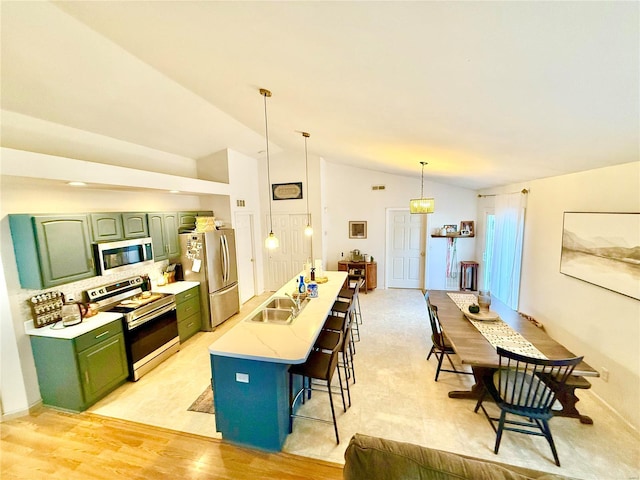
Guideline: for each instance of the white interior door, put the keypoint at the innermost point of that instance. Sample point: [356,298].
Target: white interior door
[405,249]
[295,249]
[245,252]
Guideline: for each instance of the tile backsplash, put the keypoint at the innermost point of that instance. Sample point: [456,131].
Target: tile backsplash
[77,288]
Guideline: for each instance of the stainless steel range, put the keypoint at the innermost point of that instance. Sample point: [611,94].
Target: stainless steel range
[150,322]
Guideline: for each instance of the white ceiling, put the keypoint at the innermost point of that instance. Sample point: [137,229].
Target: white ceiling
[488,93]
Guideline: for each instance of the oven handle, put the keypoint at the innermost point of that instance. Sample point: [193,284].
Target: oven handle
[151,315]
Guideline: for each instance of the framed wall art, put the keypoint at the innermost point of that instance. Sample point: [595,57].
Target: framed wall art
[358,229]
[287,191]
[603,249]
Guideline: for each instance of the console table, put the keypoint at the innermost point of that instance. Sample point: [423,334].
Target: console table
[367,270]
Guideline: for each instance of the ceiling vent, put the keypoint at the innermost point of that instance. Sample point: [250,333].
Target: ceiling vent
[378,187]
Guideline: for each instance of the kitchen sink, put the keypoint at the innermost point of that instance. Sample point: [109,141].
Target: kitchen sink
[284,302]
[278,311]
[272,315]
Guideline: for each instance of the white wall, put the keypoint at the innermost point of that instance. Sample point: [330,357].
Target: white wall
[589,320]
[348,196]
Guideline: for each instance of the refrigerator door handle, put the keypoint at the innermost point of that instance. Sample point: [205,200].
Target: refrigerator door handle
[225,258]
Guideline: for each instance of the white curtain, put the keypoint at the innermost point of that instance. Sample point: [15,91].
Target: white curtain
[507,247]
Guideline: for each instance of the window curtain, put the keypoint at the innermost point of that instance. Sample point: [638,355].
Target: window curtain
[507,247]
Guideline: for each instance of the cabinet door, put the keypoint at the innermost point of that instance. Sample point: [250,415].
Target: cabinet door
[102,367]
[158,236]
[135,225]
[64,249]
[187,221]
[171,234]
[106,226]
[372,276]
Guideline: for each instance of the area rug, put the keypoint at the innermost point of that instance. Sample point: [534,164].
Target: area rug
[204,403]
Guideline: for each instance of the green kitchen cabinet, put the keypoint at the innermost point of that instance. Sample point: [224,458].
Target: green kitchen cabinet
[73,374]
[135,225]
[118,226]
[51,250]
[163,228]
[106,226]
[188,313]
[187,220]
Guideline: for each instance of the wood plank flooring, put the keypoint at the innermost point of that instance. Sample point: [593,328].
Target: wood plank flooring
[60,445]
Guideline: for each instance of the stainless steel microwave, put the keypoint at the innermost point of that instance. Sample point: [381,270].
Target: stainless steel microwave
[114,257]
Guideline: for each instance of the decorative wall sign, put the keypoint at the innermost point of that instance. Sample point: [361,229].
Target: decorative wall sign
[603,249]
[287,191]
[357,229]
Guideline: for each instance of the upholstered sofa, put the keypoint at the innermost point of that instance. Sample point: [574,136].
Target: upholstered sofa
[372,458]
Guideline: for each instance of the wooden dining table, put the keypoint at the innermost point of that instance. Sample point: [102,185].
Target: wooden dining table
[474,350]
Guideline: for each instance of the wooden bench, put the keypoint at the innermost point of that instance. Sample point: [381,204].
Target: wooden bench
[567,397]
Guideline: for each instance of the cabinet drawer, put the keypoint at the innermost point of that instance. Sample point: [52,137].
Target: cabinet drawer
[188,308]
[189,326]
[188,295]
[98,335]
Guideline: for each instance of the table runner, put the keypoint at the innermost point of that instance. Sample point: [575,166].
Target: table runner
[497,332]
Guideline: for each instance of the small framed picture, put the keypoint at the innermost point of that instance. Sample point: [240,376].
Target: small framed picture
[451,228]
[466,228]
[358,229]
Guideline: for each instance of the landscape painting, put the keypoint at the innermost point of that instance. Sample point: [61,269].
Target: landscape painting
[603,249]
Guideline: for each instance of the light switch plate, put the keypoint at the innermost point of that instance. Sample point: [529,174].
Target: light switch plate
[242,377]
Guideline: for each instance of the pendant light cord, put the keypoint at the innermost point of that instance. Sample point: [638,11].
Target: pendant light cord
[422,184]
[266,134]
[306,167]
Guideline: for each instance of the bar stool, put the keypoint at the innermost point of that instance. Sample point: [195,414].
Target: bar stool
[320,365]
[327,339]
[343,309]
[353,294]
[468,275]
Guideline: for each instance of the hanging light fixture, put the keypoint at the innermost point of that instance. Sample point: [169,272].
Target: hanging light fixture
[308,231]
[422,205]
[271,242]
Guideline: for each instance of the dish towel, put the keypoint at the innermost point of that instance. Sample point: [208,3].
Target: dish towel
[497,332]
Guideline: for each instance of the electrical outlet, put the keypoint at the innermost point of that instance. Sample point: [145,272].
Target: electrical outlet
[604,374]
[70,297]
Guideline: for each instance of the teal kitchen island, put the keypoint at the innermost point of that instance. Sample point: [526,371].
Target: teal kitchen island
[250,363]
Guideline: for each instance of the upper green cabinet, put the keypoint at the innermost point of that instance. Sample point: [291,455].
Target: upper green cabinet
[135,225]
[51,250]
[106,226]
[187,220]
[163,228]
[118,226]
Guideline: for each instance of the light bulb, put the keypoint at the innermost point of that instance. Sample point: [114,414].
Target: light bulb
[271,242]
[308,231]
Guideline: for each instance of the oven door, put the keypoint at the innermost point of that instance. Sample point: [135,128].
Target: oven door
[151,339]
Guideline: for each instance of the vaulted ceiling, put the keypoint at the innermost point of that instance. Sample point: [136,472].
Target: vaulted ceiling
[488,93]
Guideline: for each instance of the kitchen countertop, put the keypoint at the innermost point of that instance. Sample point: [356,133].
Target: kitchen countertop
[56,330]
[289,343]
[174,288]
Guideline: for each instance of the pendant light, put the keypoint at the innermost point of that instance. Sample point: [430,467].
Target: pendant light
[422,205]
[271,242]
[308,231]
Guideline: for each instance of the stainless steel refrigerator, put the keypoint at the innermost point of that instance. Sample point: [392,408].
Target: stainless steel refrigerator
[210,258]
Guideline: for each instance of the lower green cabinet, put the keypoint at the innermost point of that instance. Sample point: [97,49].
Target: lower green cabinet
[188,313]
[75,373]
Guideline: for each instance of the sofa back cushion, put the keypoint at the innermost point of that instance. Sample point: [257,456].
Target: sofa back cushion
[373,458]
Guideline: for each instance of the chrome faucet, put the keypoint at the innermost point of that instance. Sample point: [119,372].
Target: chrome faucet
[295,310]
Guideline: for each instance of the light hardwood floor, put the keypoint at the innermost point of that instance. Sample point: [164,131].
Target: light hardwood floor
[58,445]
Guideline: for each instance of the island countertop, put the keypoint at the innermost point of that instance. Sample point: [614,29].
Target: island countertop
[290,343]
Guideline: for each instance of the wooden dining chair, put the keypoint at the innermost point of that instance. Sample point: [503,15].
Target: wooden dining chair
[440,346]
[520,387]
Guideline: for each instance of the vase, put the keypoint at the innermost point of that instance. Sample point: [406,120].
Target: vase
[484,300]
